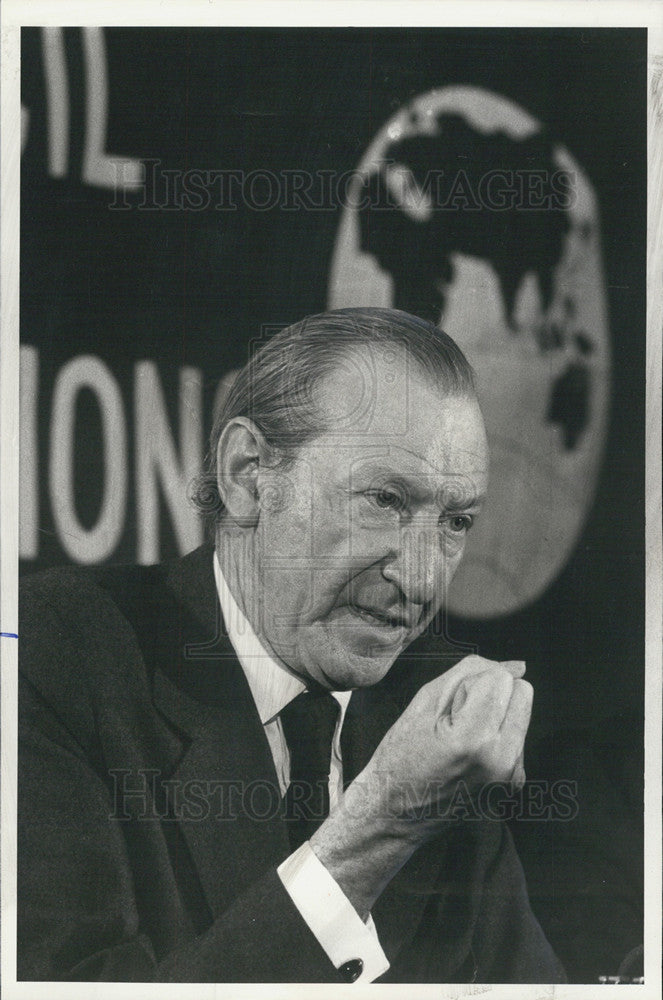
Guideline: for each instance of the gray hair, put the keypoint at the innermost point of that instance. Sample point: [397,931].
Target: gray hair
[275,389]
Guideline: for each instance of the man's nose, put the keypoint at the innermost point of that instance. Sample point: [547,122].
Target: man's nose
[419,567]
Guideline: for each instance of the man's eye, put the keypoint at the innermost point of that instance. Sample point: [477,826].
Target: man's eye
[387,499]
[460,524]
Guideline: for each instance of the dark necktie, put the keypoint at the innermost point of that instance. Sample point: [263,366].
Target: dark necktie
[308,722]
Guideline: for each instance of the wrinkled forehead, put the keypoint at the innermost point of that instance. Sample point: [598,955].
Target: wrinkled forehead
[382,390]
[387,420]
[371,388]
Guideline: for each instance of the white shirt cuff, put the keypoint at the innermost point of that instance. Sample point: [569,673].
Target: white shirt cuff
[330,915]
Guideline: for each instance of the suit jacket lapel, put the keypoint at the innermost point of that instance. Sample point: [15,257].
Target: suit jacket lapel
[230,798]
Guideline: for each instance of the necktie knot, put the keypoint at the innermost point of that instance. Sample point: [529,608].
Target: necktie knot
[309,722]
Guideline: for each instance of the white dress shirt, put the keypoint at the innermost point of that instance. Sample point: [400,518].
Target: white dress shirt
[337,926]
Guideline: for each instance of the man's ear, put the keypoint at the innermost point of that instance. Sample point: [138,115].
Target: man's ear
[240,451]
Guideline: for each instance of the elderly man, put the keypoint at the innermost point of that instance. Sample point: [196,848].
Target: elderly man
[221,776]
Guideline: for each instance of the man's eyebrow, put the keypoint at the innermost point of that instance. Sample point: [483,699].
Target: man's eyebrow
[452,493]
[456,493]
[459,501]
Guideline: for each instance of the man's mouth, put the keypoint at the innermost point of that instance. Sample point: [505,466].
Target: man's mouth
[373,616]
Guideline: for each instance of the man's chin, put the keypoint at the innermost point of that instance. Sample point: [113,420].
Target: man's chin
[341,664]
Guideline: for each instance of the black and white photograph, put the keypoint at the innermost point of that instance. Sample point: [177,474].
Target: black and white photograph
[328,654]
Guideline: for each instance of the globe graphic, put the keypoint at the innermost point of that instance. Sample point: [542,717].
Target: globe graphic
[465,211]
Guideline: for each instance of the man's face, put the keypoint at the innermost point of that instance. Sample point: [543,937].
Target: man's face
[358,539]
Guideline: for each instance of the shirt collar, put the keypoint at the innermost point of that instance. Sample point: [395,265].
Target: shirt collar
[272,684]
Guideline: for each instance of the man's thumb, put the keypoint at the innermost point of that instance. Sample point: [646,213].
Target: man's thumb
[515,667]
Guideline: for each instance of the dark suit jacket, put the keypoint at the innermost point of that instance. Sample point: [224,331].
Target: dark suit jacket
[128,682]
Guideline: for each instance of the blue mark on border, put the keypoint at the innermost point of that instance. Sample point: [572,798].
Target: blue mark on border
[9,635]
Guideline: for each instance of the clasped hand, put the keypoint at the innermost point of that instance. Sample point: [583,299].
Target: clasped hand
[468,724]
